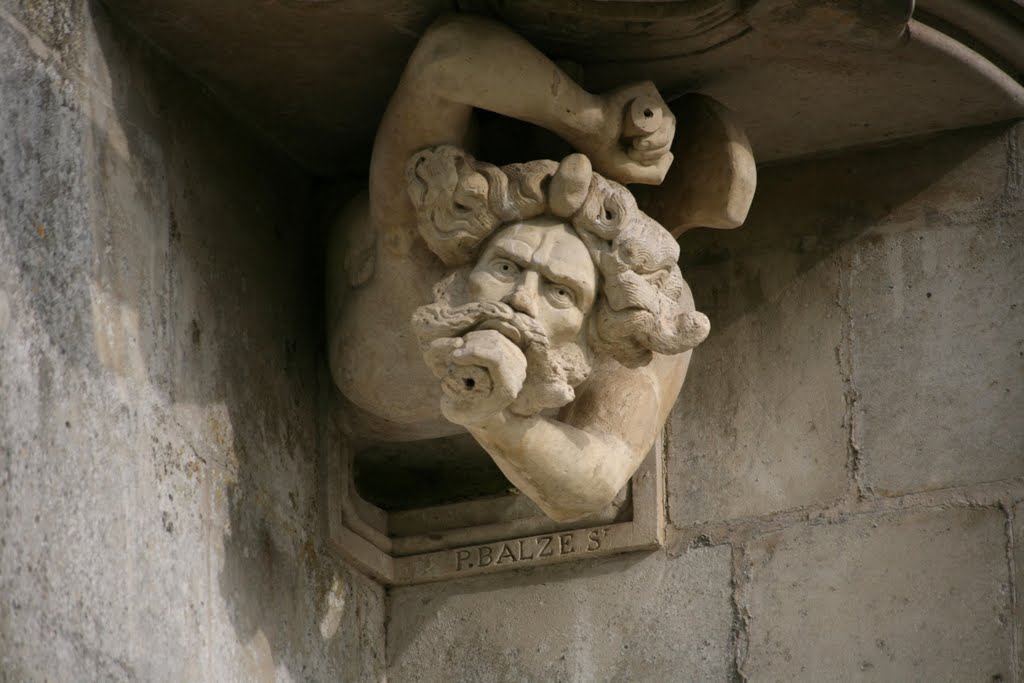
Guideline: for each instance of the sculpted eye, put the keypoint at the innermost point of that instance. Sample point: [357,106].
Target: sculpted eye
[560,295]
[504,269]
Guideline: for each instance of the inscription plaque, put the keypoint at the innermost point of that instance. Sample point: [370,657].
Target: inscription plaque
[369,538]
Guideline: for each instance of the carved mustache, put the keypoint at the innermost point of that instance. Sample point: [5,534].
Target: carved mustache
[437,320]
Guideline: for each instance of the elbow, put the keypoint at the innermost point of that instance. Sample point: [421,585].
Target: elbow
[590,499]
[452,35]
[451,38]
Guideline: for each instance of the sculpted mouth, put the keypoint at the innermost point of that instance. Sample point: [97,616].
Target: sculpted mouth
[507,329]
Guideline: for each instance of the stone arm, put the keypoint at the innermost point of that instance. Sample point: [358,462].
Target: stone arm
[463,62]
[576,464]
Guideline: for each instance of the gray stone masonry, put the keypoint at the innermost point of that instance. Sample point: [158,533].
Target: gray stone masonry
[642,617]
[158,381]
[862,489]
[845,472]
[920,595]
[867,320]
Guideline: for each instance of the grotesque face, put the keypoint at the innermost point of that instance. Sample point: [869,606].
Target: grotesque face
[539,268]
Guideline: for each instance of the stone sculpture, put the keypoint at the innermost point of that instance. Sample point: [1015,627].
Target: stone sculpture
[532,305]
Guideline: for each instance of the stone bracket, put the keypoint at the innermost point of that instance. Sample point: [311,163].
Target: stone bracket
[357,531]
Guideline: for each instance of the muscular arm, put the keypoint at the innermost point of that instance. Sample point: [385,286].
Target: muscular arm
[464,62]
[575,465]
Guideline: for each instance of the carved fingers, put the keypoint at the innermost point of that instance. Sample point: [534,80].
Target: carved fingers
[638,132]
[502,359]
[483,375]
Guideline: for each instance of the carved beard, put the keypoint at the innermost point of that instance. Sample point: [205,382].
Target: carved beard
[551,373]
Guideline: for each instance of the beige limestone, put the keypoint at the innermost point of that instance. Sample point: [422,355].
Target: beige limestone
[913,595]
[940,313]
[760,426]
[561,326]
[645,617]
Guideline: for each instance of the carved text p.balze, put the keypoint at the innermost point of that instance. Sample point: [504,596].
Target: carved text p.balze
[526,549]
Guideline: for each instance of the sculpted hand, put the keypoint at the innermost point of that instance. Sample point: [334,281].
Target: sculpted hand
[632,145]
[484,374]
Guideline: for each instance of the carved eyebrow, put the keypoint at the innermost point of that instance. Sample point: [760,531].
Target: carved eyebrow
[520,256]
[561,278]
[523,261]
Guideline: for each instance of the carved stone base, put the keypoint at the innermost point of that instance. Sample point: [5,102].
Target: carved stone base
[479,536]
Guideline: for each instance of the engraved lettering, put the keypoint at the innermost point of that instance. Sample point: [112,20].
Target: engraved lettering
[543,546]
[462,556]
[506,552]
[565,544]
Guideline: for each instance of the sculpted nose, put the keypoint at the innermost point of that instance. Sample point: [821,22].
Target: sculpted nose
[524,297]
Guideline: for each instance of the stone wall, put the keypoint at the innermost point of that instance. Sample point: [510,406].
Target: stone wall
[846,461]
[846,465]
[159,335]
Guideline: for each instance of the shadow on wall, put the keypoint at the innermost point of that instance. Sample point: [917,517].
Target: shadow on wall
[200,286]
[805,212]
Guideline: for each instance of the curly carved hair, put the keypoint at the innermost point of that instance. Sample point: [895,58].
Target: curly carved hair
[460,202]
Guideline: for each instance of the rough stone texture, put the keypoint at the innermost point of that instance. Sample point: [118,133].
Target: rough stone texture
[158,382]
[921,595]
[1017,531]
[642,617]
[759,424]
[938,348]
[805,76]
[806,317]
[158,325]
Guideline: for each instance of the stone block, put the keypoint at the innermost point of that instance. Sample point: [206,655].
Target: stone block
[938,356]
[636,617]
[919,595]
[759,425]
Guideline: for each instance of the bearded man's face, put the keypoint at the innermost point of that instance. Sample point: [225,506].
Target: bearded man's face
[535,283]
[541,269]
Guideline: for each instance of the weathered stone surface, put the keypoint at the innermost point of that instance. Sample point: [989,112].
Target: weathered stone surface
[804,77]
[1018,572]
[59,25]
[938,353]
[918,595]
[640,617]
[157,511]
[544,276]
[158,516]
[759,425]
